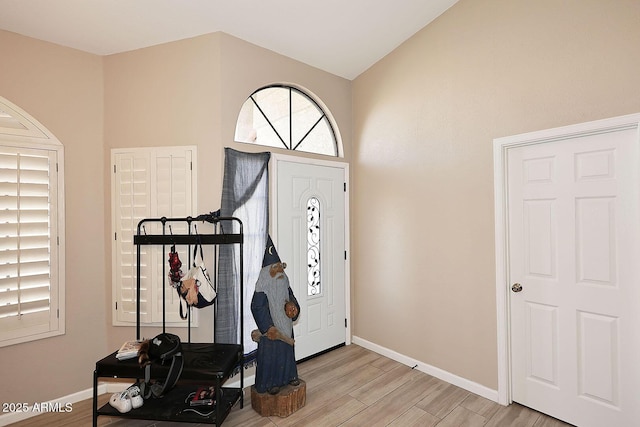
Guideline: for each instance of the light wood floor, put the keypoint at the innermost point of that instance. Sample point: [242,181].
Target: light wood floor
[352,386]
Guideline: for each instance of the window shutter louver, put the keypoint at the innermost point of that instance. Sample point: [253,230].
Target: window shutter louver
[132,195]
[172,189]
[148,183]
[32,233]
[26,201]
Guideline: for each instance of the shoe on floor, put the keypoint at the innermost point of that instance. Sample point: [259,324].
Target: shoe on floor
[274,390]
[135,396]
[121,401]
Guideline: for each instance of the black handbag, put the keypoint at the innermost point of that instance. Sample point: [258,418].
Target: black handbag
[161,349]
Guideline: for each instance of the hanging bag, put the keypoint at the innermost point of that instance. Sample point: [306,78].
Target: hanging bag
[196,287]
[199,271]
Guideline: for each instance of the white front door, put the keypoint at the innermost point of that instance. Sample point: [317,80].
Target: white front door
[310,224]
[574,270]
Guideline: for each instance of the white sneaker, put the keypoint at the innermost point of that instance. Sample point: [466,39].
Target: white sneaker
[121,401]
[135,396]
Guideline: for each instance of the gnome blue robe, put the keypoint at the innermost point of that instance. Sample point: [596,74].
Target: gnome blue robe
[275,359]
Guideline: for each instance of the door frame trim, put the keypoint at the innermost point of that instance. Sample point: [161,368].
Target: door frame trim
[273,172]
[501,147]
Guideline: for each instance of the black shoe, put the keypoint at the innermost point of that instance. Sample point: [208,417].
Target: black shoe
[274,390]
[295,382]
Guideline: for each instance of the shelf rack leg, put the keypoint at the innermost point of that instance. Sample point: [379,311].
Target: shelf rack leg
[95,398]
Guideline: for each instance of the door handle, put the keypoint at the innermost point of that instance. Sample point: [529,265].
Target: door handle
[517,287]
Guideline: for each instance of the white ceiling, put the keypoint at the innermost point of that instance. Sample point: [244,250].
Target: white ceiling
[343,37]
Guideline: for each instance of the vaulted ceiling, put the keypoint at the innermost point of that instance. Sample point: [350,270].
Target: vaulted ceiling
[343,37]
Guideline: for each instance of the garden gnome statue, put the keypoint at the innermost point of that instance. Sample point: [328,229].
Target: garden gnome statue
[274,308]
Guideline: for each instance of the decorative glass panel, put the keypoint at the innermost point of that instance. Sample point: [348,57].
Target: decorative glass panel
[285,117]
[313,247]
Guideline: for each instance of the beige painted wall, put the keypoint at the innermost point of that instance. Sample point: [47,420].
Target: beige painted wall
[62,88]
[190,93]
[165,95]
[181,93]
[424,121]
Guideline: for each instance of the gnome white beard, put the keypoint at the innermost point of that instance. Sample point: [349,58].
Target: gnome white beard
[277,291]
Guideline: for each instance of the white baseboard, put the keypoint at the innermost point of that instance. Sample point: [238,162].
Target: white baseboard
[66,403]
[235,383]
[464,383]
[62,404]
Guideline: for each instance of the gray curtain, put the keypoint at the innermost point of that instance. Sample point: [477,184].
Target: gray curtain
[245,195]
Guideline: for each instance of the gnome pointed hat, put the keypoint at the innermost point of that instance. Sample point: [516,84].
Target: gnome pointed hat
[270,254]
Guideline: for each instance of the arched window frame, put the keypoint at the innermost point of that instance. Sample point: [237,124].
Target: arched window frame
[284,142]
[36,310]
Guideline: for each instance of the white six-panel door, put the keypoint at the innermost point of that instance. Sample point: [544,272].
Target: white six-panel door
[310,223]
[574,270]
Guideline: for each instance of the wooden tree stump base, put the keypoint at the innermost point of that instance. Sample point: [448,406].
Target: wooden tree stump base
[289,400]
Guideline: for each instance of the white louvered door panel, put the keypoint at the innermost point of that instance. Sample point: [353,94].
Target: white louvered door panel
[28,227]
[173,198]
[149,183]
[132,203]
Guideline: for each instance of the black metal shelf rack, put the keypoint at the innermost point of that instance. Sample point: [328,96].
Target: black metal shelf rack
[204,363]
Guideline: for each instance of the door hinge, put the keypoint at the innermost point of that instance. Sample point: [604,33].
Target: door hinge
[345,255]
[114,168]
[345,322]
[191,165]
[116,305]
[58,313]
[115,236]
[345,187]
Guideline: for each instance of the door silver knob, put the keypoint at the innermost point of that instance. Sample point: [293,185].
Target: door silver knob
[517,287]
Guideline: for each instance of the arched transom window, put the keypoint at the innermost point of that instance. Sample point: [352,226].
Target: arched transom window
[285,117]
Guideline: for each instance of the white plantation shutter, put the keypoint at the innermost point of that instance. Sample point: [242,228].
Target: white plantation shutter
[132,202]
[28,247]
[148,183]
[173,199]
[31,229]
